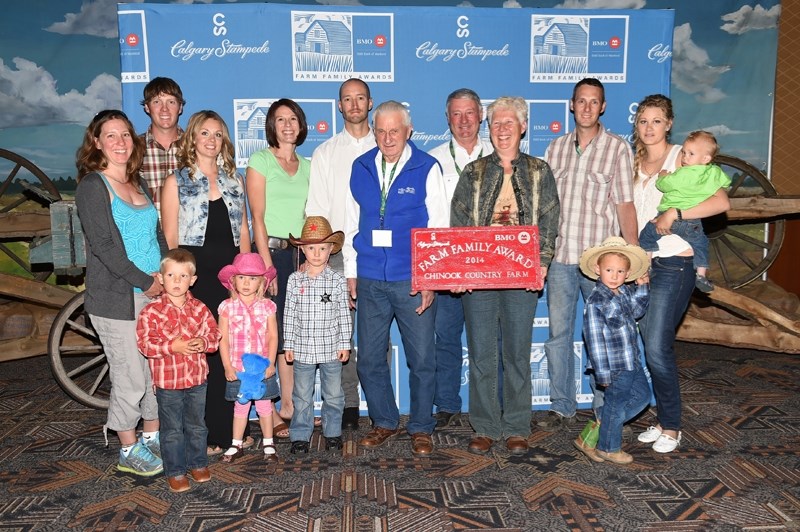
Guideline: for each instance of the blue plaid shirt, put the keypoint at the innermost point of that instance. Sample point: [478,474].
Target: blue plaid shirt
[609,327]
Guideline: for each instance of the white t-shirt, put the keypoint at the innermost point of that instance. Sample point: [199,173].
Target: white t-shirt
[646,198]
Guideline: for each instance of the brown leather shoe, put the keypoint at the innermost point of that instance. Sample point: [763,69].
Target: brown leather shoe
[421,444]
[480,445]
[590,452]
[178,484]
[201,474]
[517,445]
[377,437]
[617,457]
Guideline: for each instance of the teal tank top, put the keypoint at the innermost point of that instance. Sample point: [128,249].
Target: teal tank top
[137,225]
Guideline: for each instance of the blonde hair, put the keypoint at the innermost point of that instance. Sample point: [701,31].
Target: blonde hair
[187,157]
[179,256]
[706,136]
[658,101]
[619,254]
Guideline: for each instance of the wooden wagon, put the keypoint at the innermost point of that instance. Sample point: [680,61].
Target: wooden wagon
[745,242]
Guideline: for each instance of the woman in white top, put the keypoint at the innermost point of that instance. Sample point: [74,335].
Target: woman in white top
[672,277]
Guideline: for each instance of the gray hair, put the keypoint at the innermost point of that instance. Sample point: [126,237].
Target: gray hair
[464,93]
[392,106]
[515,103]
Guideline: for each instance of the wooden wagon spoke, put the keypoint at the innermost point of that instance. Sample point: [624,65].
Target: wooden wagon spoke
[741,256]
[722,266]
[80,349]
[10,178]
[99,380]
[5,249]
[13,205]
[91,364]
[86,331]
[747,238]
[736,184]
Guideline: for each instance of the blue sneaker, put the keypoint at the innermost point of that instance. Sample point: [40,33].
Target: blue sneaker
[140,461]
[153,444]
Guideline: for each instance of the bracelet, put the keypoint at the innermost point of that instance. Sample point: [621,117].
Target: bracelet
[680,215]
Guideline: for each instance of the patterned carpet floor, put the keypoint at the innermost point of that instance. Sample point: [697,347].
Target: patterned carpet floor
[738,469]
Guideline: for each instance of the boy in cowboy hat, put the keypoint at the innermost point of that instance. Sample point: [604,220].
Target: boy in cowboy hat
[609,327]
[317,330]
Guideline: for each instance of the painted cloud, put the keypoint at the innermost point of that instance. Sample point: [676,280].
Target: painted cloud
[751,18]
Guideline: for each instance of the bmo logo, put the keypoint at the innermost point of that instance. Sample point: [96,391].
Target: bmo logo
[379,41]
[614,43]
[132,39]
[322,126]
[555,126]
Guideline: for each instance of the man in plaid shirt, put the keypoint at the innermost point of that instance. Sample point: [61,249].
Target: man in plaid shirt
[175,332]
[163,102]
[594,177]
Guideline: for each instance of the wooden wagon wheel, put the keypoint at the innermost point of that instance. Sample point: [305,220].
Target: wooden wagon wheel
[742,250]
[76,356]
[26,217]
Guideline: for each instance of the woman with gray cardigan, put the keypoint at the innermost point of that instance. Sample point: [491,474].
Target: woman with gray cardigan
[124,245]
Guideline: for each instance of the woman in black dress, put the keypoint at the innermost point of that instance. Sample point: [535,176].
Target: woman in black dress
[203,210]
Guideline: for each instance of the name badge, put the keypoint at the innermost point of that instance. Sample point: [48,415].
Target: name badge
[382,238]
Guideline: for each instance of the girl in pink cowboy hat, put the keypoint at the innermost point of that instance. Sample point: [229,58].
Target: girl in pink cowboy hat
[248,324]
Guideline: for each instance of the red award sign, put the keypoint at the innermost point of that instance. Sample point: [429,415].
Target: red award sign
[475,257]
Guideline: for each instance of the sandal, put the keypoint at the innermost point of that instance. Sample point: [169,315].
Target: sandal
[248,442]
[230,458]
[214,450]
[270,457]
[280,431]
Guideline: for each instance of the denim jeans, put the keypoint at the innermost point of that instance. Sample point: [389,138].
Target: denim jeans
[449,326]
[330,376]
[505,314]
[183,430]
[625,398]
[378,303]
[564,284]
[689,230]
[352,396]
[671,286]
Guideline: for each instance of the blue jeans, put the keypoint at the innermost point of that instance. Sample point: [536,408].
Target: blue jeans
[689,230]
[330,377]
[183,430]
[378,303]
[505,314]
[625,398]
[565,283]
[671,286]
[448,326]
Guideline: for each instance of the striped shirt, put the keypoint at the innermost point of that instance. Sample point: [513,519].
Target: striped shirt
[247,327]
[317,321]
[160,323]
[609,327]
[590,186]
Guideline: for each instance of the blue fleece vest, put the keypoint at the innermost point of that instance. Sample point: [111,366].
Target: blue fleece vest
[405,209]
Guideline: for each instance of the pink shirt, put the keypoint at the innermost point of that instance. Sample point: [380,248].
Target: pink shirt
[247,327]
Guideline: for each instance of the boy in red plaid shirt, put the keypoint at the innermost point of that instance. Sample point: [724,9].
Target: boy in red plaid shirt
[175,332]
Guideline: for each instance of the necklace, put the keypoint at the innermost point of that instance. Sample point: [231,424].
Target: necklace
[117,180]
[659,163]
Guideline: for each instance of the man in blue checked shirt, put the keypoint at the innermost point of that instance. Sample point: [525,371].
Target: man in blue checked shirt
[609,327]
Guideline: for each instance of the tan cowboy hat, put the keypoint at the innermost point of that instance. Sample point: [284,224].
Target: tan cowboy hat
[317,230]
[640,262]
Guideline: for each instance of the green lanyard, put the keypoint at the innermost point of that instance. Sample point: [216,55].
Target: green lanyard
[453,155]
[385,186]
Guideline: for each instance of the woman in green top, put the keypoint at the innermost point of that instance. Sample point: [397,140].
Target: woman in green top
[277,188]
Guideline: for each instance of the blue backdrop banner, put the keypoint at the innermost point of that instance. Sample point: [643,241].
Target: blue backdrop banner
[237,59]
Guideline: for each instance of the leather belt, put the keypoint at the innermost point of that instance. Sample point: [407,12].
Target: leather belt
[277,243]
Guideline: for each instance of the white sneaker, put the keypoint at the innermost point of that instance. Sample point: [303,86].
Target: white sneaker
[650,435]
[667,444]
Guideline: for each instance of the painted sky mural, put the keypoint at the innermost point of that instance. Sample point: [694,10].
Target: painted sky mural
[59,65]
